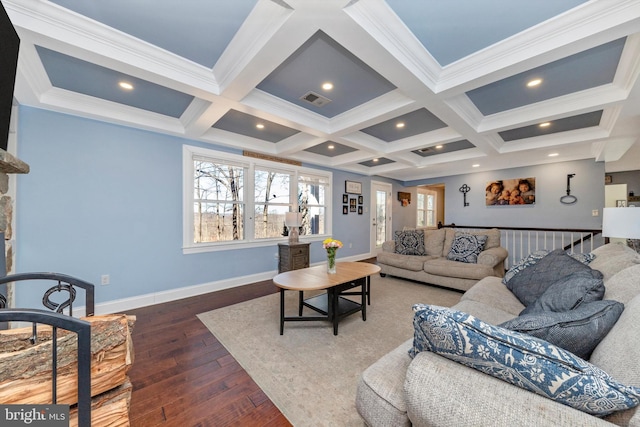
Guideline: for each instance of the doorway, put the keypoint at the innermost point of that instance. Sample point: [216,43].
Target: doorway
[380,215]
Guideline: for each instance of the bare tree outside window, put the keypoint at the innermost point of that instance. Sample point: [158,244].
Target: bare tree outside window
[218,202]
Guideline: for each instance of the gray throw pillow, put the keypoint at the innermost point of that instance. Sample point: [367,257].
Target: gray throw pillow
[466,247]
[527,285]
[578,331]
[410,242]
[569,292]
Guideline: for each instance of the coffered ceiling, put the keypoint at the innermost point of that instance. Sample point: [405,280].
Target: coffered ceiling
[420,89]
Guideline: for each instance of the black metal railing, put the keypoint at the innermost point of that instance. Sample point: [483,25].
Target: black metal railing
[56,318]
[83,330]
[65,283]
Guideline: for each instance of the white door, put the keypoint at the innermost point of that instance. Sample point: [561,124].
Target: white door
[380,215]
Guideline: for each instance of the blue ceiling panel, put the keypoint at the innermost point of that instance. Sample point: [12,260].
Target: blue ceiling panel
[377,162]
[193,29]
[321,59]
[453,29]
[330,149]
[76,75]
[415,123]
[561,125]
[246,124]
[444,148]
[584,70]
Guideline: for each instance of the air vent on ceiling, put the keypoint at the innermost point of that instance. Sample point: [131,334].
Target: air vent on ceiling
[425,150]
[315,99]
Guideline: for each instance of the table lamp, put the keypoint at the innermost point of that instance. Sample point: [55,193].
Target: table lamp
[621,222]
[293,221]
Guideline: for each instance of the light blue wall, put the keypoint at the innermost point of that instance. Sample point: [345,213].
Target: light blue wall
[551,184]
[106,199]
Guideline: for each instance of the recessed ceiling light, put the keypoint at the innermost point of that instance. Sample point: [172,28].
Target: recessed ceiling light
[331,146]
[554,154]
[475,166]
[125,85]
[534,82]
[439,146]
[545,124]
[327,86]
[260,126]
[374,160]
[400,125]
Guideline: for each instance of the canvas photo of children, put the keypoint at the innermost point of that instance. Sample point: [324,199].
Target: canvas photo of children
[510,192]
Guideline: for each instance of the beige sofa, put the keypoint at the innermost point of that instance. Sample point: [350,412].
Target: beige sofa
[436,269]
[431,390]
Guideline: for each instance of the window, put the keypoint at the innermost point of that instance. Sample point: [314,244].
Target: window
[236,200]
[426,208]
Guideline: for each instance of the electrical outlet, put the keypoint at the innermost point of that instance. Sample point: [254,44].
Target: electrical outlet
[595,212]
[104,280]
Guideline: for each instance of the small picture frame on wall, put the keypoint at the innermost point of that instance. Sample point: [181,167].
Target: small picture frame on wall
[352,205]
[360,200]
[359,210]
[353,187]
[345,198]
[345,210]
[608,179]
[621,203]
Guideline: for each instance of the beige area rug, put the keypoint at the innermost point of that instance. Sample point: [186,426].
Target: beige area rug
[310,374]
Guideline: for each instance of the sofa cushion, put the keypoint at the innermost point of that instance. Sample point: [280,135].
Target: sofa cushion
[531,282]
[434,242]
[466,247]
[406,262]
[380,398]
[410,242]
[613,258]
[491,292]
[624,286]
[522,360]
[578,331]
[569,292]
[462,270]
[618,354]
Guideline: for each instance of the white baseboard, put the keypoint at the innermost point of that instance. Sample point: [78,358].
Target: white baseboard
[125,304]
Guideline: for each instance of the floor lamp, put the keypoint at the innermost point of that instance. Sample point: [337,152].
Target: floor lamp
[293,221]
[621,222]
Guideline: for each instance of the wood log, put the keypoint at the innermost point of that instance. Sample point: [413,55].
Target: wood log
[25,368]
[110,408]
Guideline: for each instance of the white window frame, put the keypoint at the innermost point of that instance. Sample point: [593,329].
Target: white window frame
[250,164]
[426,193]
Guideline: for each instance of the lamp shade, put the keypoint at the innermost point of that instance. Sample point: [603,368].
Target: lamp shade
[292,219]
[621,222]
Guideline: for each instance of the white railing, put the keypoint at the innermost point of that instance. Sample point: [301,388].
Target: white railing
[520,242]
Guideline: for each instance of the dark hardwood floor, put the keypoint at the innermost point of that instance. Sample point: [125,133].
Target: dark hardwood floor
[182,376]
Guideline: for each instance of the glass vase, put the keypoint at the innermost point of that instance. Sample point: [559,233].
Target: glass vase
[331,263]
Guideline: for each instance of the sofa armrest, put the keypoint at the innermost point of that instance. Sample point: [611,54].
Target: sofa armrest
[493,256]
[441,392]
[389,246]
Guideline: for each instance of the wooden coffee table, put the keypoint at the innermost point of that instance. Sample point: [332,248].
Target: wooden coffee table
[331,305]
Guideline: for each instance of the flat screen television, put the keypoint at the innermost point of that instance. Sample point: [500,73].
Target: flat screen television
[9,46]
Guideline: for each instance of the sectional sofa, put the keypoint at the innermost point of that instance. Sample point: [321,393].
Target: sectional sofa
[447,386]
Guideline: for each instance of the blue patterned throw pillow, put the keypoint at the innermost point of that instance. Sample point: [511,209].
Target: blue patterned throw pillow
[410,242]
[467,247]
[527,362]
